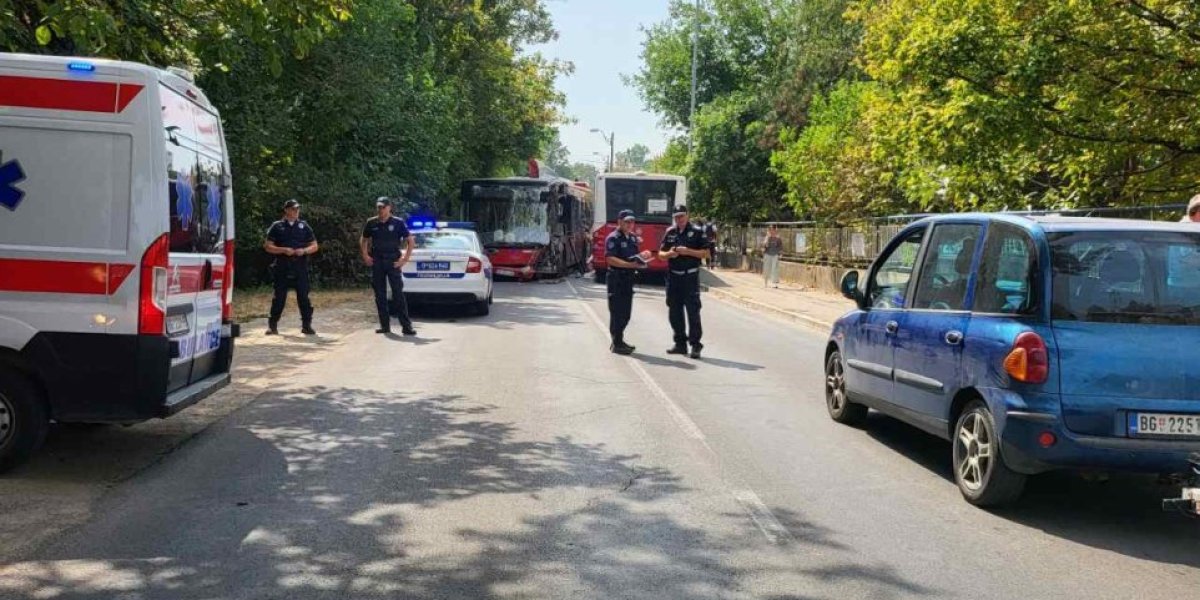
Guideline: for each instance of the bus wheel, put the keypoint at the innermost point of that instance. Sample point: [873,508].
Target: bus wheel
[601,275]
[23,419]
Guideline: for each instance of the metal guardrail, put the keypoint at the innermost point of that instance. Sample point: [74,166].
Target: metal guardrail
[856,245]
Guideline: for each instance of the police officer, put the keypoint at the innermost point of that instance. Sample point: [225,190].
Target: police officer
[291,241]
[684,246]
[381,242]
[621,252]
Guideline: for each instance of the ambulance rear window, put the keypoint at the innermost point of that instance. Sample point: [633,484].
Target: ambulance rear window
[194,175]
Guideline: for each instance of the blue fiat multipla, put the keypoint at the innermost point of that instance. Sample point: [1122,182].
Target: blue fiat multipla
[1032,344]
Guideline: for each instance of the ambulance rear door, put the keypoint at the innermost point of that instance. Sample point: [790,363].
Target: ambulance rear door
[197,193]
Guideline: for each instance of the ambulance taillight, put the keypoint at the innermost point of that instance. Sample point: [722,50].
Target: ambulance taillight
[152,295]
[227,291]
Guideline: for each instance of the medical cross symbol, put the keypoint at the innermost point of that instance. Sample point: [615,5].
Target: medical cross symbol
[10,175]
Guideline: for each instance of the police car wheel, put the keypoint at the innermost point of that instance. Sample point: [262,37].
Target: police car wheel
[23,419]
[483,308]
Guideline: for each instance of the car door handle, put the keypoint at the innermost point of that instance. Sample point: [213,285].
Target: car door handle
[954,338]
[892,327]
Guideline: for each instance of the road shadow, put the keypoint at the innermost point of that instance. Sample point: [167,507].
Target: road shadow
[658,361]
[1122,514]
[731,364]
[316,493]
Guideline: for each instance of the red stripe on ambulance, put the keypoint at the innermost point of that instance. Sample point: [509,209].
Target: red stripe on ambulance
[62,277]
[66,94]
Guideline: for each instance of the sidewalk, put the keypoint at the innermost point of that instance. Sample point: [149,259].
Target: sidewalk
[809,307]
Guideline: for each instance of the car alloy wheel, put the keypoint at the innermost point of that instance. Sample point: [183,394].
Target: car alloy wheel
[835,386]
[841,408]
[7,426]
[974,452]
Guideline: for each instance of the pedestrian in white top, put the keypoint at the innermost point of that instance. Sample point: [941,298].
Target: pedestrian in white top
[772,249]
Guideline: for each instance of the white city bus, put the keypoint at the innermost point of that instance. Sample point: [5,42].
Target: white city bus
[651,197]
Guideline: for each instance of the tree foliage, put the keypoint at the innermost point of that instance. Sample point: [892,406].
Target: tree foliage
[877,106]
[1038,102]
[397,97]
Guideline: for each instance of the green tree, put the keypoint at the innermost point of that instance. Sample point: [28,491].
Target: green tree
[196,33]
[729,171]
[633,159]
[1016,102]
[673,160]
[828,166]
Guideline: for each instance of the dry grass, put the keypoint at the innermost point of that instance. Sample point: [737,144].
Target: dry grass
[256,303]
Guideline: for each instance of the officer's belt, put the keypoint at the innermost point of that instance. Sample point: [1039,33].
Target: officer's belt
[687,272]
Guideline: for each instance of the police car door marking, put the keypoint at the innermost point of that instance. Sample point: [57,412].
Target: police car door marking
[10,175]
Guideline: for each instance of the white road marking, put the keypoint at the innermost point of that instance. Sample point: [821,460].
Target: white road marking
[681,418]
[762,516]
[759,513]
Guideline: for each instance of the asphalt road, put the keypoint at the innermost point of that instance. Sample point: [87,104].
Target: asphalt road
[514,457]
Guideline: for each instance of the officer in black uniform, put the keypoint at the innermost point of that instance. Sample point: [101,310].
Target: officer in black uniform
[382,239]
[621,253]
[684,246]
[291,241]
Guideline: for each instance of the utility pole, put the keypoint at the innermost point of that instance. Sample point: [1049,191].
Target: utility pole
[612,148]
[695,52]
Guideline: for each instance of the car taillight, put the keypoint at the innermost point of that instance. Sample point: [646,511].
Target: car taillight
[227,291]
[152,295]
[1028,361]
[474,265]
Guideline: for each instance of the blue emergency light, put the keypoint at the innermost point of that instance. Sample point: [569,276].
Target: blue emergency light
[82,67]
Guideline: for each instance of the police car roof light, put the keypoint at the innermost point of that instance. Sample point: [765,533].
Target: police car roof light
[84,67]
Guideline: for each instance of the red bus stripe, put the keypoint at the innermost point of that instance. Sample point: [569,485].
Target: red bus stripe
[66,94]
[62,277]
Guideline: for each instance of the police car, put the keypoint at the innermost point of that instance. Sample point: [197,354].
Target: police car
[116,246]
[449,266]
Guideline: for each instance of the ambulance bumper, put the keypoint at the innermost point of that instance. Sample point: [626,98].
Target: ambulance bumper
[108,378]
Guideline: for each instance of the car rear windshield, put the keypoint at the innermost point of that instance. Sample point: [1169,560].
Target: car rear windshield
[444,240]
[1126,277]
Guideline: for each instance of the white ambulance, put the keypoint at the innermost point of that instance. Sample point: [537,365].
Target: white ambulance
[116,246]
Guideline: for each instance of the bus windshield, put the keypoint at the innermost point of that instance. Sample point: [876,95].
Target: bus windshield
[508,213]
[650,200]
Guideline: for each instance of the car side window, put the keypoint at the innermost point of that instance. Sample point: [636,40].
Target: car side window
[1006,272]
[947,267]
[889,283]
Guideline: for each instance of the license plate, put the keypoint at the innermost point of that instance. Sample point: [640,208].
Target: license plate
[433,266]
[506,272]
[176,324]
[1161,424]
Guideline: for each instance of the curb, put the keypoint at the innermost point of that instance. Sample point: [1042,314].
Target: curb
[732,298]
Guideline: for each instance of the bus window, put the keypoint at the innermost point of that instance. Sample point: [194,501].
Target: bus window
[651,200]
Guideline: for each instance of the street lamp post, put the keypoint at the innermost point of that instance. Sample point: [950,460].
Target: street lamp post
[612,153]
[695,51]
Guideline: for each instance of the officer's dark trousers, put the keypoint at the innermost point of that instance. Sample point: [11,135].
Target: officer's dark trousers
[384,273]
[683,294]
[289,274]
[620,302]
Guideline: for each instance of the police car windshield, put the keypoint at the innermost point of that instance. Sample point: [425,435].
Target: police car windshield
[444,240]
[509,213]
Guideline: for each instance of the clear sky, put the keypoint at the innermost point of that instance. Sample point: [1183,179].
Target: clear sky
[603,39]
